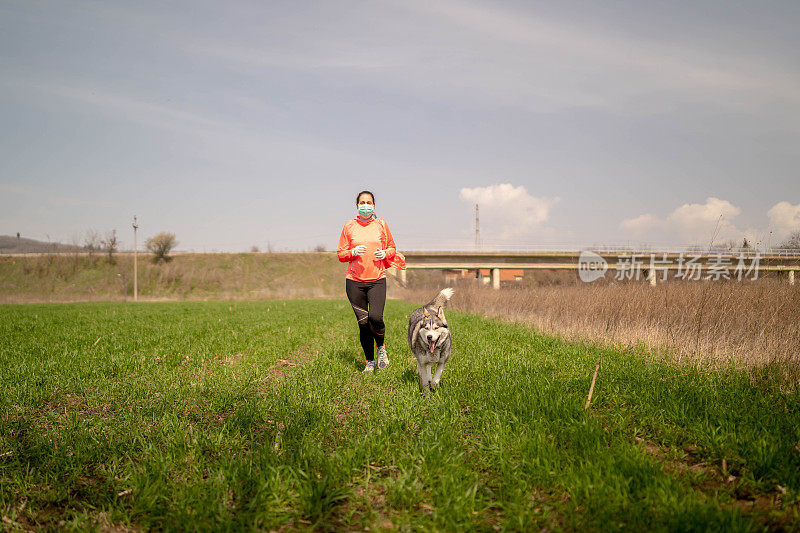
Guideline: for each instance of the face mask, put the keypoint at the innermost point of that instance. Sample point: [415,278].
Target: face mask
[365,210]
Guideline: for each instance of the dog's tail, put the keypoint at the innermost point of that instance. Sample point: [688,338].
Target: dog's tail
[442,298]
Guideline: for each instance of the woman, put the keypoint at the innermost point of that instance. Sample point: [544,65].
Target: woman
[367,245]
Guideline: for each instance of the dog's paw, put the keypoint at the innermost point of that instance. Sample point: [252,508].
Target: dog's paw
[434,385]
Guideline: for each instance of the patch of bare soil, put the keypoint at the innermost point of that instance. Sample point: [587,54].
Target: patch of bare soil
[284,368]
[60,411]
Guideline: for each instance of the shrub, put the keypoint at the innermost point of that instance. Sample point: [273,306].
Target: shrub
[160,245]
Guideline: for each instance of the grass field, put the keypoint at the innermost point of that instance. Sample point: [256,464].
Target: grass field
[255,415]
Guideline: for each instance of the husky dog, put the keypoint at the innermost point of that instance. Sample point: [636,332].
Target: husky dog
[429,339]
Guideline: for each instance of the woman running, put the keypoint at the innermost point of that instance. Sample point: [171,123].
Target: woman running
[367,245]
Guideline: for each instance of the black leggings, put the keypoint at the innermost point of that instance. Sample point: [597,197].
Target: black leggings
[368,299]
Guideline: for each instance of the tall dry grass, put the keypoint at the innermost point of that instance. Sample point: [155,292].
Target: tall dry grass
[752,324]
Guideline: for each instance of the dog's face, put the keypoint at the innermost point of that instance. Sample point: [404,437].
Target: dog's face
[433,328]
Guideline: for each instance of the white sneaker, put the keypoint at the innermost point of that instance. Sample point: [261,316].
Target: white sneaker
[370,366]
[383,359]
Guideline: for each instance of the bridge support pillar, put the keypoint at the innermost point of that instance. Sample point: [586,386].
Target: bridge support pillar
[791,277]
[495,278]
[403,277]
[653,277]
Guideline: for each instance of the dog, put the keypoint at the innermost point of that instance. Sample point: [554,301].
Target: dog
[429,339]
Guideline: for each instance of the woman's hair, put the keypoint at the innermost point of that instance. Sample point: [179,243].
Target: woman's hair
[365,192]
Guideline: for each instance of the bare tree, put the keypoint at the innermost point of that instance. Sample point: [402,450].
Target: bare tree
[254,249]
[160,245]
[319,248]
[110,244]
[91,241]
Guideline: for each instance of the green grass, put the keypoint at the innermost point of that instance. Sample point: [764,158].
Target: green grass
[255,415]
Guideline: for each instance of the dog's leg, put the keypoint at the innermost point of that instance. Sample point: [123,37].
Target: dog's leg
[440,367]
[424,383]
[438,374]
[428,368]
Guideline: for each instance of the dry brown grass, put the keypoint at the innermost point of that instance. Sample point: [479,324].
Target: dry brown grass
[249,276]
[751,324]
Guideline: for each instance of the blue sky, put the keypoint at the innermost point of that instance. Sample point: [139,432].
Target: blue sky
[248,123]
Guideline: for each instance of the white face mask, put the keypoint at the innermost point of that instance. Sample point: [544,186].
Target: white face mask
[365,210]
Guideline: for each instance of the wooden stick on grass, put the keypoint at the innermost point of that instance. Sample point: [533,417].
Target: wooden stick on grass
[98,340]
[591,388]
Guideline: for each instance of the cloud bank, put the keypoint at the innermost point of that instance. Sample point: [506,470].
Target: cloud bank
[714,219]
[508,212]
[784,219]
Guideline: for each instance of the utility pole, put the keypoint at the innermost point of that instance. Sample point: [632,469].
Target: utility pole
[18,248]
[477,228]
[135,262]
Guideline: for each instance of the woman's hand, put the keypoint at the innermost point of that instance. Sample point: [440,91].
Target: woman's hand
[359,250]
[380,254]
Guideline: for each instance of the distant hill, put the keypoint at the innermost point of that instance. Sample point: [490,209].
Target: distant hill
[8,245]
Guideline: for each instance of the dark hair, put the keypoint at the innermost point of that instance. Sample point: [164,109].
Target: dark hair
[365,192]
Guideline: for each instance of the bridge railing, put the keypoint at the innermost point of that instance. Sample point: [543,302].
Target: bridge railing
[650,263]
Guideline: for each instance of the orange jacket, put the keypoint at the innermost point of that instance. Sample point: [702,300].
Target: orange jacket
[375,235]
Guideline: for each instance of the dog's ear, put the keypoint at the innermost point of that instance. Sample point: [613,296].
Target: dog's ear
[425,312]
[415,334]
[440,314]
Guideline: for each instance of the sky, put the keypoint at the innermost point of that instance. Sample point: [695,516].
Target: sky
[240,124]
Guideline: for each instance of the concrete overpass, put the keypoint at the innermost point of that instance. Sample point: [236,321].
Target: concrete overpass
[649,265]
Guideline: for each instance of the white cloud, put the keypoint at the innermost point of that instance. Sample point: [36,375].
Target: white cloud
[697,223]
[689,223]
[507,211]
[784,219]
[640,224]
[690,216]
